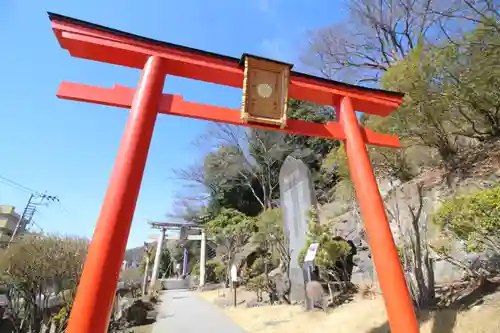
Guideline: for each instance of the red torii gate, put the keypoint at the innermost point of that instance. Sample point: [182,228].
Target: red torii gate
[96,290]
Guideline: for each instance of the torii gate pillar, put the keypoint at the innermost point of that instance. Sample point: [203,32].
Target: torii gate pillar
[158,254]
[91,310]
[398,302]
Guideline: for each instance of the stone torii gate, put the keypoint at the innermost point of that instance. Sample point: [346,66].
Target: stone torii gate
[164,227]
[267,85]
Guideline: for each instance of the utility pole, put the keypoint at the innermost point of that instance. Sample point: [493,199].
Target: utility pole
[36,199]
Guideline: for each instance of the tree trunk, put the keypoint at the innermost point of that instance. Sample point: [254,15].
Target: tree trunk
[330,291]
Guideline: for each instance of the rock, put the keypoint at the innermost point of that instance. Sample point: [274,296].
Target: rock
[315,291]
[3,305]
[137,313]
[148,301]
[397,197]
[297,197]
[131,313]
[123,303]
[281,282]
[252,303]
[363,269]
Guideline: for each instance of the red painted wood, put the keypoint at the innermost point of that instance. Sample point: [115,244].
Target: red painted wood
[96,291]
[121,96]
[397,298]
[101,46]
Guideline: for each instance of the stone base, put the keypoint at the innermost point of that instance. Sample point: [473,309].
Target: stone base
[297,290]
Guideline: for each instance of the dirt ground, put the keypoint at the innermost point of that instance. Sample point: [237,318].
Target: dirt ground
[359,316]
[141,329]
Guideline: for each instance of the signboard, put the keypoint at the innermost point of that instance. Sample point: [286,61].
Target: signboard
[311,252]
[234,273]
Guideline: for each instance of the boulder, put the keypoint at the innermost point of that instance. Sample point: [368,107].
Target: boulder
[315,292]
[122,304]
[130,312]
[137,313]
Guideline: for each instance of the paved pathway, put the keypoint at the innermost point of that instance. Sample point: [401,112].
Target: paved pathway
[182,311]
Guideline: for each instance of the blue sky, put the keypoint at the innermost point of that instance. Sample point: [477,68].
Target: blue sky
[68,148]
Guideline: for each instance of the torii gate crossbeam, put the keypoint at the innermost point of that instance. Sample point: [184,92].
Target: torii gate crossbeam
[92,305]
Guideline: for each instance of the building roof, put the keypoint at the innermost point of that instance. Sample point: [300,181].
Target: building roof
[9,210]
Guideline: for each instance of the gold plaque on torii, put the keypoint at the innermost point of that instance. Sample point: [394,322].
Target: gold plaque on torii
[265,91]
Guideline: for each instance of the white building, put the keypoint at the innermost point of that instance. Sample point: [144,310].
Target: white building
[8,222]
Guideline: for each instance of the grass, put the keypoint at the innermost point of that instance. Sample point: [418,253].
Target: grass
[210,295]
[359,316]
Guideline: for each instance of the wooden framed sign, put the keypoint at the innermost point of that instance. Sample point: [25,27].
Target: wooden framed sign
[265,91]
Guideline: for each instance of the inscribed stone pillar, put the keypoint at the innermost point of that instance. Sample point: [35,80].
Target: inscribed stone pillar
[297,200]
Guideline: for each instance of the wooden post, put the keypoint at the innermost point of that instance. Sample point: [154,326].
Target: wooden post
[235,289]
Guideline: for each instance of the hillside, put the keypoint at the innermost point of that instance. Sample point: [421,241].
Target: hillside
[480,172]
[135,254]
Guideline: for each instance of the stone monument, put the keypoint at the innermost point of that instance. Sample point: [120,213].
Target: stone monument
[297,199]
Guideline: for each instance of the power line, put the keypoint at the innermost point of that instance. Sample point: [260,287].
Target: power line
[30,209]
[36,199]
[16,185]
[13,186]
[36,224]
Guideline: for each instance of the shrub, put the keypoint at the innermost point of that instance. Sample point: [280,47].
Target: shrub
[33,267]
[473,219]
[333,257]
[215,271]
[258,285]
[220,271]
